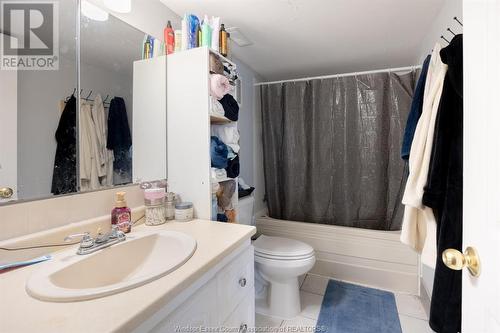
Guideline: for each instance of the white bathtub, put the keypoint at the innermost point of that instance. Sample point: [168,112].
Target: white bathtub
[369,257]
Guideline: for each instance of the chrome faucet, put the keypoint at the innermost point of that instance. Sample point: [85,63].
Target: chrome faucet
[89,245]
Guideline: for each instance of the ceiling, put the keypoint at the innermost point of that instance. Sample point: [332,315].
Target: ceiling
[297,38]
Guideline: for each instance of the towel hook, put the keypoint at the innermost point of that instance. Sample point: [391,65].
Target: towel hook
[454,34]
[88,97]
[447,41]
[456,19]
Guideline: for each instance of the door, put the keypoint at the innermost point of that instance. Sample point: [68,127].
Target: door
[481,230]
[8,133]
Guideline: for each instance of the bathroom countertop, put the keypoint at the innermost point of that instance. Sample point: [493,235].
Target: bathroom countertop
[124,311]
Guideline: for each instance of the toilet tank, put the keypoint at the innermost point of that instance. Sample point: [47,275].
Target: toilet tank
[245,210]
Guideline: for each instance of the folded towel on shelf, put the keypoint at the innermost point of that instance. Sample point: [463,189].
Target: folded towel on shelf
[245,192]
[221,218]
[233,167]
[218,153]
[231,107]
[230,153]
[215,107]
[218,174]
[228,134]
[219,85]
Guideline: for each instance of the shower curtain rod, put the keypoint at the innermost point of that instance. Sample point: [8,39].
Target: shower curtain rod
[399,69]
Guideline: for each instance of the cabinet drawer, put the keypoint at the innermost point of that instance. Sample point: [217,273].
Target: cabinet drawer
[234,282]
[242,319]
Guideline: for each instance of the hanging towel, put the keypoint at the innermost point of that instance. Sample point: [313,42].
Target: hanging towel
[88,150]
[231,107]
[219,85]
[64,174]
[228,134]
[415,111]
[444,191]
[233,167]
[225,195]
[218,153]
[416,216]
[119,141]
[105,157]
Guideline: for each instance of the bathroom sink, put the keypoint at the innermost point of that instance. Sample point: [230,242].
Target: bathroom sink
[140,259]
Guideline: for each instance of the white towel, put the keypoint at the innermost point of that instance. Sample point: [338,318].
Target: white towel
[416,216]
[227,133]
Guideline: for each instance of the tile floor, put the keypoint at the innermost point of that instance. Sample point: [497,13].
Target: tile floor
[412,315]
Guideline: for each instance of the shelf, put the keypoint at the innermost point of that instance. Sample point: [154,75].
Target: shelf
[221,57]
[219,120]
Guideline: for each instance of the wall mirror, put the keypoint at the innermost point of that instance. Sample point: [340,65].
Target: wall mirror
[69,129]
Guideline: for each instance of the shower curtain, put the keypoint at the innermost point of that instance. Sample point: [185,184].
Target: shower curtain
[332,149]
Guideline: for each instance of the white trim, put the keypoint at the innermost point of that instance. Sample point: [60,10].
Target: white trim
[369,257]
[399,69]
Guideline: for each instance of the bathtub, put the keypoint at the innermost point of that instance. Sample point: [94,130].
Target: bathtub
[367,257]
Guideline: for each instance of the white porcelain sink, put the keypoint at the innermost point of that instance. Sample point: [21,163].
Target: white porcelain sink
[140,259]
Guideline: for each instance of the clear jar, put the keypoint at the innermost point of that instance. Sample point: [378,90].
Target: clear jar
[170,206]
[154,200]
[184,211]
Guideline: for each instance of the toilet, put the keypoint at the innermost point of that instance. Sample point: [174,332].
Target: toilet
[278,264]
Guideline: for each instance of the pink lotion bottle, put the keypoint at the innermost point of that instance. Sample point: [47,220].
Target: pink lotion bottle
[120,215]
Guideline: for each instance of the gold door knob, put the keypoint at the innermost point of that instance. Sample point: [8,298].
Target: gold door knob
[455,260]
[6,192]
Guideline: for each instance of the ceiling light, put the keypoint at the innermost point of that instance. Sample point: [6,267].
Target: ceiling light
[238,37]
[119,6]
[93,12]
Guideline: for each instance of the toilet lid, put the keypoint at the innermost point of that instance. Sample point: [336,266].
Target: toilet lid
[281,247]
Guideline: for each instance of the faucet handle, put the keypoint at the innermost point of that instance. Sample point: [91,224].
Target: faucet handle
[116,232]
[86,241]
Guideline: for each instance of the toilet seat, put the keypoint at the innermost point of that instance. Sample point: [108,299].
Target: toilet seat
[278,248]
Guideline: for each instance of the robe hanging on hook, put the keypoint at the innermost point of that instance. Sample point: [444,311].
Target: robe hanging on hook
[456,19]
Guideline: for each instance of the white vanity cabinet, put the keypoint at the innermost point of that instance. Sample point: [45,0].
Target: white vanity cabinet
[223,298]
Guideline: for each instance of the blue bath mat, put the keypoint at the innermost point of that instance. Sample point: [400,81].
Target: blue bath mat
[348,308]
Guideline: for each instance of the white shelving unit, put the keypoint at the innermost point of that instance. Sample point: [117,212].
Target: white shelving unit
[189,129]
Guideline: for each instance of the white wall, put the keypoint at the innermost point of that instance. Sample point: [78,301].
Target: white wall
[442,21]
[249,125]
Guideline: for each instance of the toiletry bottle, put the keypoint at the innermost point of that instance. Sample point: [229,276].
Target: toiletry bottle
[223,40]
[178,40]
[169,38]
[120,215]
[184,33]
[206,33]
[198,36]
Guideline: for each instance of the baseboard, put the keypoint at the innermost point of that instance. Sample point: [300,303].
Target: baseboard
[425,298]
[369,257]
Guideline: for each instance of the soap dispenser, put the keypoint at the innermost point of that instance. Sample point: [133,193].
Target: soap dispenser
[121,215]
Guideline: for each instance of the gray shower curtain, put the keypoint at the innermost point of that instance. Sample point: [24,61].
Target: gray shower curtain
[332,149]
